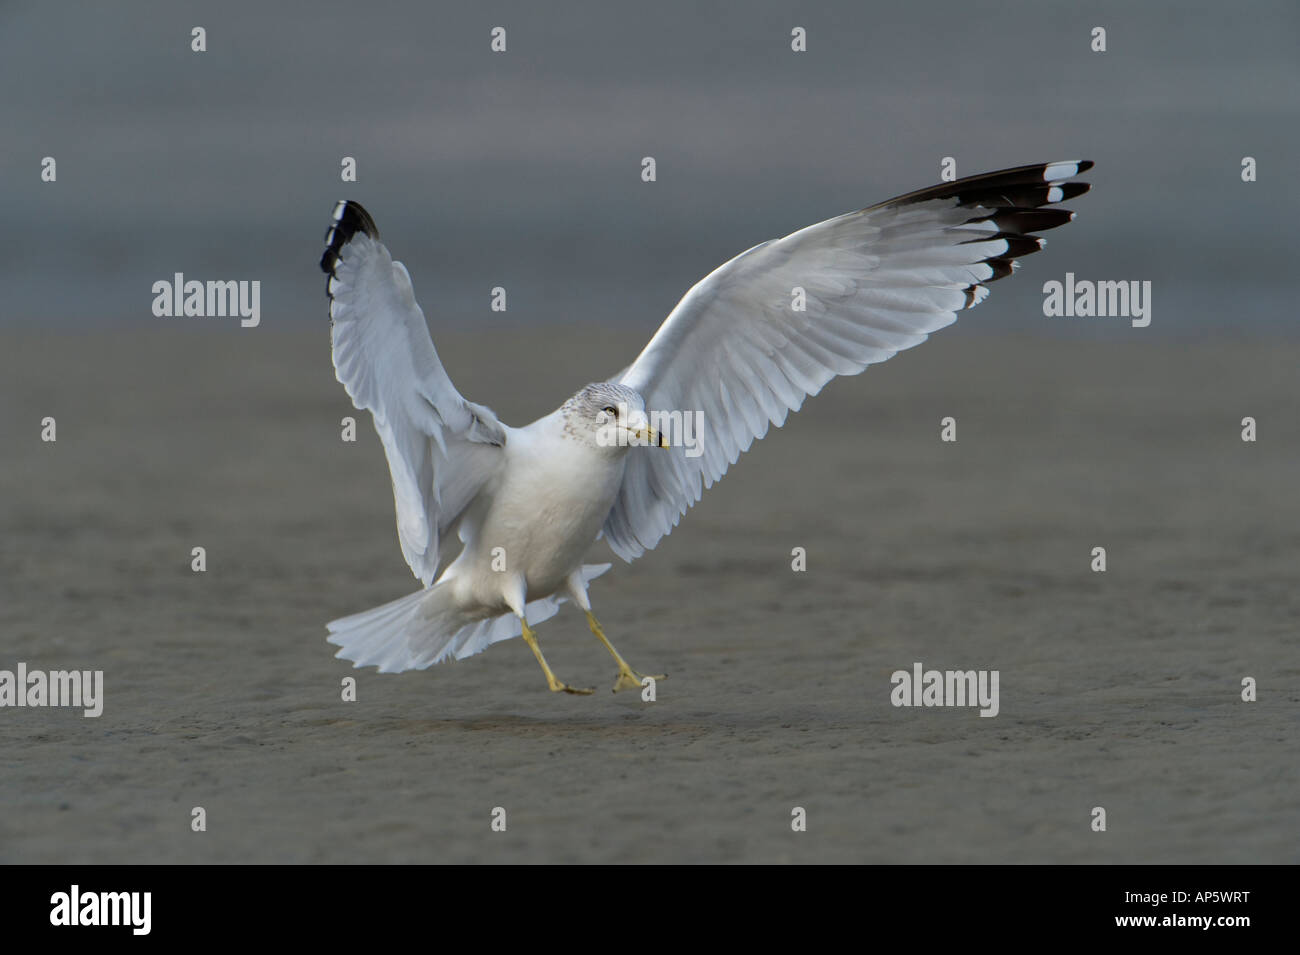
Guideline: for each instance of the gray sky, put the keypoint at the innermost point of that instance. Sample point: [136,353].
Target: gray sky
[522,169]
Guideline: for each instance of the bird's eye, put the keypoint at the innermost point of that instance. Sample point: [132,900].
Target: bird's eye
[609,409]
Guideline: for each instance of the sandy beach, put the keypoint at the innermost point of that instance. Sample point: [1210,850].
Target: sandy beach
[1119,690]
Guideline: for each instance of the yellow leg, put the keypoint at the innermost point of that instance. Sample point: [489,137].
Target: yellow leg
[556,686]
[628,679]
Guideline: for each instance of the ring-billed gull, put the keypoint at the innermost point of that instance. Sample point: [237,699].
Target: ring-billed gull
[743,348]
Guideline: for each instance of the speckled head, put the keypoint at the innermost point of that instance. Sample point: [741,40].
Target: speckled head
[609,415]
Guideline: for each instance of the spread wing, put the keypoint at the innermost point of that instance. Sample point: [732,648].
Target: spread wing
[740,353]
[442,450]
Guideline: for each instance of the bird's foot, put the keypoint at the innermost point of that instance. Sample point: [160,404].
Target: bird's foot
[629,679]
[558,687]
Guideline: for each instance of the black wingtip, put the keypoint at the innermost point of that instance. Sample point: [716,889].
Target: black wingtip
[349,218]
[1026,187]
[1019,202]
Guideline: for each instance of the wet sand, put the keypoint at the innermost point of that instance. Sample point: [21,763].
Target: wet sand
[1120,689]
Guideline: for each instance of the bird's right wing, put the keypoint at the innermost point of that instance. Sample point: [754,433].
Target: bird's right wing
[441,448]
[750,341]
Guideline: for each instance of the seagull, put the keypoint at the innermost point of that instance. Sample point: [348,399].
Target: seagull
[495,520]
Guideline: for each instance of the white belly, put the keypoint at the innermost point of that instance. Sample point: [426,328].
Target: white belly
[550,505]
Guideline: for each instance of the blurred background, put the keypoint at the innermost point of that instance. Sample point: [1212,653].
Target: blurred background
[522,169]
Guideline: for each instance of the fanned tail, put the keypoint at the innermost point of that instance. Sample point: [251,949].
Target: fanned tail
[423,628]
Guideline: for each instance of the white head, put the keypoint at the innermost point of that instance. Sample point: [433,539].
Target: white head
[610,416]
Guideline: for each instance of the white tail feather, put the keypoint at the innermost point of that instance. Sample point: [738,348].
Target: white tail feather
[421,629]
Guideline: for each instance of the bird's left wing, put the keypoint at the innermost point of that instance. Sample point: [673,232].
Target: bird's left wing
[441,449]
[755,337]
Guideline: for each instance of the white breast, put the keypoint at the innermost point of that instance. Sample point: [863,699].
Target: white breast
[554,495]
